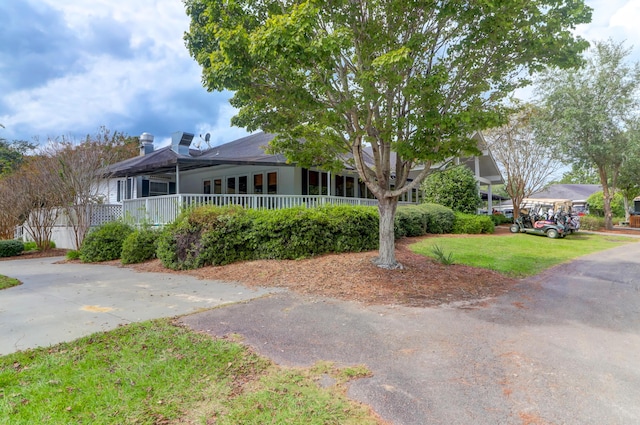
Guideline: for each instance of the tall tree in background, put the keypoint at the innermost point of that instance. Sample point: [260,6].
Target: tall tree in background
[629,178]
[412,80]
[590,110]
[580,175]
[527,163]
[77,176]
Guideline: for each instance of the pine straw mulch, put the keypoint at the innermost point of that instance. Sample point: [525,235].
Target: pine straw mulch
[352,276]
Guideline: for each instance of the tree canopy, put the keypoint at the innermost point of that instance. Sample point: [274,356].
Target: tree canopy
[592,111]
[409,80]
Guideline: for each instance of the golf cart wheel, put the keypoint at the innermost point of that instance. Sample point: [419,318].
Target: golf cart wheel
[553,233]
[514,228]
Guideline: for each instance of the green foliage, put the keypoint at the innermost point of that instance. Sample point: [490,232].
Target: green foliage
[473,224]
[73,255]
[520,255]
[8,282]
[406,82]
[139,246]
[105,242]
[11,248]
[210,235]
[455,188]
[441,256]
[418,220]
[596,204]
[591,222]
[32,246]
[499,219]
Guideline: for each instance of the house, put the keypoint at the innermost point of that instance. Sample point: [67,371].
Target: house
[155,185]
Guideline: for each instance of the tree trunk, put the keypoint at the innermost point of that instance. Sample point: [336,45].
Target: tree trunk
[387,251]
[608,215]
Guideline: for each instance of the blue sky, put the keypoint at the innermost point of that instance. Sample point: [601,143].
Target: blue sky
[68,67]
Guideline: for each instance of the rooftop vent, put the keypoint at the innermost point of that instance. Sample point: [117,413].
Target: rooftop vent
[146,143]
[180,142]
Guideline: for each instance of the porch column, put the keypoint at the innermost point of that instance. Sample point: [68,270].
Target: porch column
[177,178]
[490,200]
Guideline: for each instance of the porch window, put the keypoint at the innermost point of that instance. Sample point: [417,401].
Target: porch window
[339,186]
[258,185]
[231,185]
[317,183]
[217,186]
[242,185]
[350,187]
[124,189]
[206,187]
[272,183]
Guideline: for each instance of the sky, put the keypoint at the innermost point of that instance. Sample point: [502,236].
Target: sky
[68,67]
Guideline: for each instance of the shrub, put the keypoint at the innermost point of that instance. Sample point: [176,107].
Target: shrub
[105,242]
[210,235]
[590,222]
[473,224]
[499,219]
[417,220]
[139,246]
[455,188]
[596,204]
[32,246]
[11,248]
[73,255]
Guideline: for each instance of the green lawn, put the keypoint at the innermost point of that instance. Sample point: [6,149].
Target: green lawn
[154,372]
[518,255]
[8,282]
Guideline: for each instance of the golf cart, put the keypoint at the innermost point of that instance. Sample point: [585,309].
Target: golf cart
[537,225]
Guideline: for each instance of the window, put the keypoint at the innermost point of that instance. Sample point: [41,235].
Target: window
[124,190]
[317,183]
[231,185]
[242,185]
[350,187]
[206,187]
[217,186]
[272,183]
[258,186]
[339,186]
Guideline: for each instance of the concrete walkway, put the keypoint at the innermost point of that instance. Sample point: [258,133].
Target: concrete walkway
[61,302]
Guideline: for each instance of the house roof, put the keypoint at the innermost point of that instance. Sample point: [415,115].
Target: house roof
[247,150]
[574,192]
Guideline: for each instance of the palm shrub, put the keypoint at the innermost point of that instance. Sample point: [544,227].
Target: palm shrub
[105,242]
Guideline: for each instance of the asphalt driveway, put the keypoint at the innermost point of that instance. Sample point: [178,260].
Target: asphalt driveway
[62,302]
[563,348]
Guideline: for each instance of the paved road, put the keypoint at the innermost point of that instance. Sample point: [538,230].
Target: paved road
[562,349]
[61,302]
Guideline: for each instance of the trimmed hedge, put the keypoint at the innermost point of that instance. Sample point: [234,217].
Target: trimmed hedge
[591,222]
[11,248]
[105,242]
[418,220]
[139,246]
[210,235]
[473,224]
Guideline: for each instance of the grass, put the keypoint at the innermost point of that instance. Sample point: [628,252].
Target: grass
[520,255]
[8,282]
[154,372]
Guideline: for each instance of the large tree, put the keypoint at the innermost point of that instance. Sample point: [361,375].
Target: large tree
[590,113]
[527,164]
[409,80]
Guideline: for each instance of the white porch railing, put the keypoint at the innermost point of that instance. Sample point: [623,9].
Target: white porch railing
[160,210]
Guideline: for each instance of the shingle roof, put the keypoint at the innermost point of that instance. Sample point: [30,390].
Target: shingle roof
[247,150]
[574,192]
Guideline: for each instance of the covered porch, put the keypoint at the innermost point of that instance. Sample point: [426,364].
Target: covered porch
[161,210]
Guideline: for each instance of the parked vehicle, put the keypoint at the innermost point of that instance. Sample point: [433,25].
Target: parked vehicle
[537,225]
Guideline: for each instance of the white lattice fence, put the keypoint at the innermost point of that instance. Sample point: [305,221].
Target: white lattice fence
[104,213]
